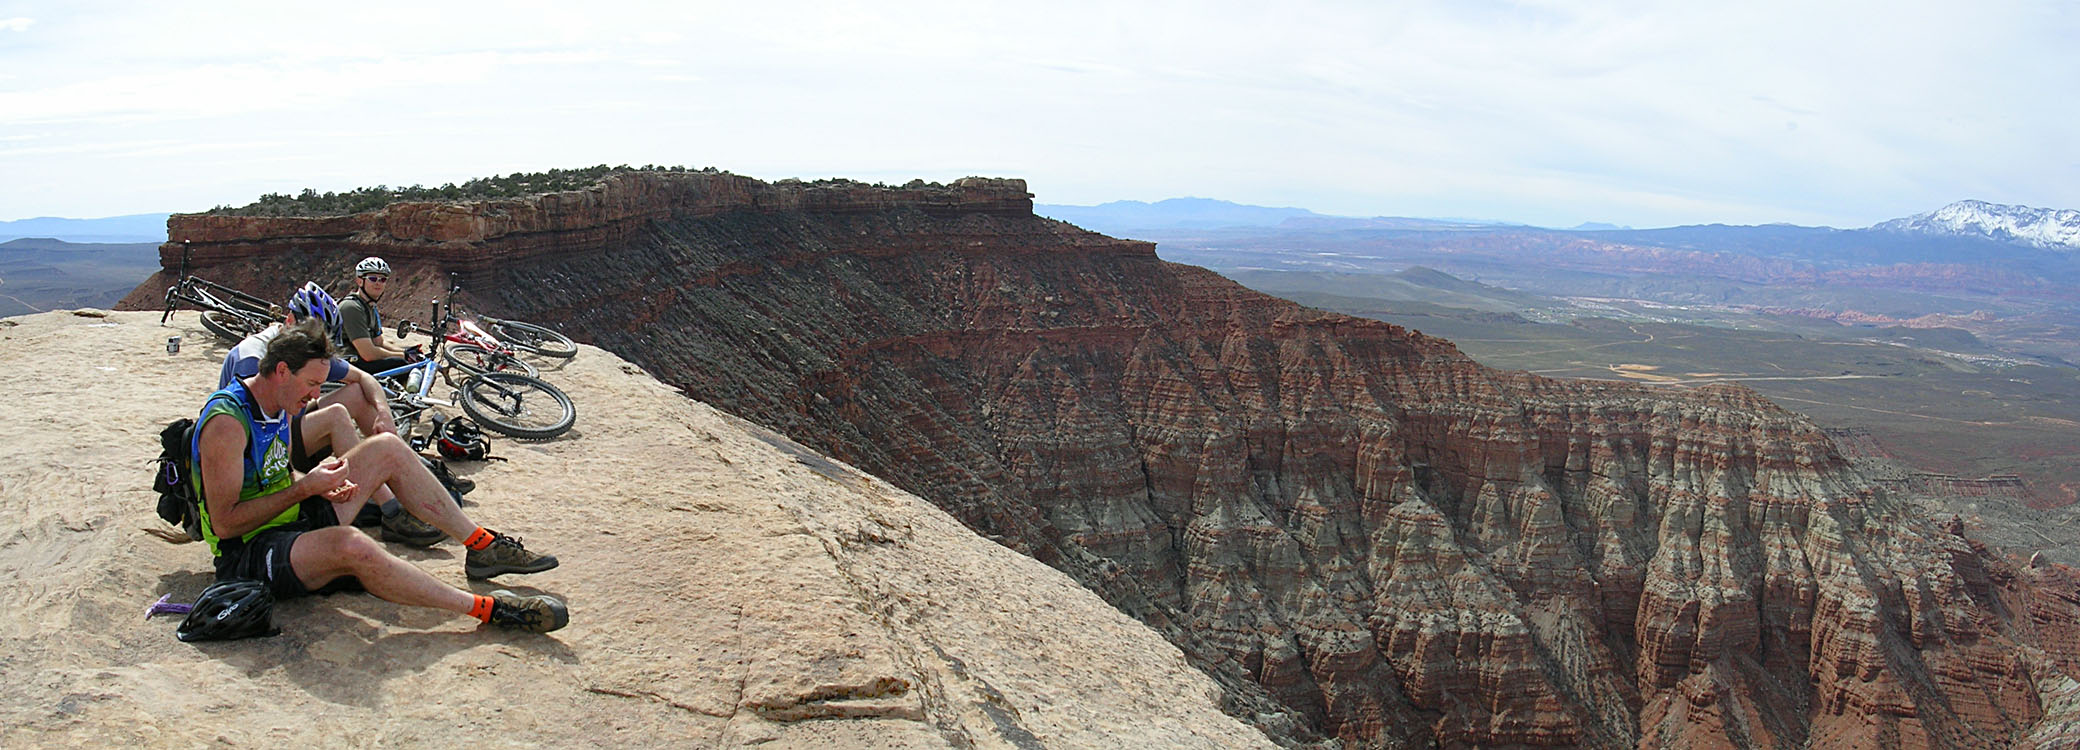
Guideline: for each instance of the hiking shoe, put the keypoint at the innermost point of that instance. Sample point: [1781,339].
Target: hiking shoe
[540,613]
[505,555]
[405,528]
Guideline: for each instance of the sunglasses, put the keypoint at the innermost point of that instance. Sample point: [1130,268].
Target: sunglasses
[378,279]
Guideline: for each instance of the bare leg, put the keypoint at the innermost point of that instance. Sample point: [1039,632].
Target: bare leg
[322,555]
[348,398]
[385,459]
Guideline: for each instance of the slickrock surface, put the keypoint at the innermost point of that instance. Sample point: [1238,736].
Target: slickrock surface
[728,588]
[1366,538]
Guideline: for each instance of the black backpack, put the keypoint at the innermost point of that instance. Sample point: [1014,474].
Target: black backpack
[178,500]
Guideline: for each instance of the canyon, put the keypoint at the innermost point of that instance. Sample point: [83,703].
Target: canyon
[1364,537]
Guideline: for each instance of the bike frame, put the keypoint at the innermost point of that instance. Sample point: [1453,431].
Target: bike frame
[418,400]
[214,297]
[468,332]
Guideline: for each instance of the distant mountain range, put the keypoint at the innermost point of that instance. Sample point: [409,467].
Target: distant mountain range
[2052,229]
[1174,213]
[38,274]
[2044,228]
[1129,218]
[119,229]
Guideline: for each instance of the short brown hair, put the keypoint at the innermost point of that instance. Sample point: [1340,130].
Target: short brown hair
[297,346]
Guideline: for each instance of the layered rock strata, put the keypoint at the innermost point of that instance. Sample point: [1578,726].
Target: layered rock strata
[727,589]
[1364,536]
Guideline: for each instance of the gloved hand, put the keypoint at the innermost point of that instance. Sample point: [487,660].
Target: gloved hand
[414,353]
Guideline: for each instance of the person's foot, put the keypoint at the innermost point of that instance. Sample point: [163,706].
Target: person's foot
[540,613]
[505,555]
[405,528]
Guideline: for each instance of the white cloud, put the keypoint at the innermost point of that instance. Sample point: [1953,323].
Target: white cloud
[16,24]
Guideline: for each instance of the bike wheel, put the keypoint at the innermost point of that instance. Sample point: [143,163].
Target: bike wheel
[231,328]
[517,405]
[471,359]
[531,338]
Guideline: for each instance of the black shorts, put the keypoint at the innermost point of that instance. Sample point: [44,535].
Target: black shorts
[265,557]
[380,365]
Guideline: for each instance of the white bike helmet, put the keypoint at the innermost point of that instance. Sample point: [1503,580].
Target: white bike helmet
[371,266]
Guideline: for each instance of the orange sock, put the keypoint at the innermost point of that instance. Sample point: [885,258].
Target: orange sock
[482,609]
[479,539]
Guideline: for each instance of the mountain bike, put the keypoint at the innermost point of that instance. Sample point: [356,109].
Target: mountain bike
[468,347]
[505,402]
[530,338]
[229,313]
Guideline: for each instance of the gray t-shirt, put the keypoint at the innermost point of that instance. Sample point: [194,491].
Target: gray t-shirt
[358,320]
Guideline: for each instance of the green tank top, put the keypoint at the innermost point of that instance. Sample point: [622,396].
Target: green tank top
[266,457]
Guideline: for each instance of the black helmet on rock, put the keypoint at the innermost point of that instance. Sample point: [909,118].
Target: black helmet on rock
[230,609]
[461,440]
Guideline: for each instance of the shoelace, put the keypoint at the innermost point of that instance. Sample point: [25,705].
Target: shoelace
[518,615]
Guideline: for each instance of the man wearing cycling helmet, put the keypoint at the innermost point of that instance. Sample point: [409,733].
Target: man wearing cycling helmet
[266,522]
[363,326]
[321,430]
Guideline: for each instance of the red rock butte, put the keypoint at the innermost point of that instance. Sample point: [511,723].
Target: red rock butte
[1365,537]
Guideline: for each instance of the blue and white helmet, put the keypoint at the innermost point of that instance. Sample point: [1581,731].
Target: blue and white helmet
[313,302]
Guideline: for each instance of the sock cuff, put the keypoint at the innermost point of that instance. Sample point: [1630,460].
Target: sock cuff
[479,539]
[481,609]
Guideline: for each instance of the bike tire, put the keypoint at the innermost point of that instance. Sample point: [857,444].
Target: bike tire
[234,298]
[517,405]
[471,359]
[531,338]
[229,327]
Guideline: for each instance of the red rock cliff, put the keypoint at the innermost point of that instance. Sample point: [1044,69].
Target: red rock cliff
[1365,536]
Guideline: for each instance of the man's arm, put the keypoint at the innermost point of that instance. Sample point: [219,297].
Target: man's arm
[378,402]
[223,469]
[372,349]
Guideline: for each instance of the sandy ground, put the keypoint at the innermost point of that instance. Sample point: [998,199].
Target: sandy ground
[727,588]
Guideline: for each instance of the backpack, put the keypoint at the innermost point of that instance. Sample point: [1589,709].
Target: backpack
[178,499]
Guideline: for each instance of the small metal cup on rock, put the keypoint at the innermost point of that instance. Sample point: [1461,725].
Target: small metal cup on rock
[173,344]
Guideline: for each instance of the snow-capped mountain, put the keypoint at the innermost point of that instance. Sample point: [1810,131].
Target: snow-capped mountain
[2053,229]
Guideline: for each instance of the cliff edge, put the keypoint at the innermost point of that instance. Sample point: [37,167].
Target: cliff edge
[728,588]
[1364,537]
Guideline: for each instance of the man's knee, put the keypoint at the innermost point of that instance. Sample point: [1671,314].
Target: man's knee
[328,415]
[389,451]
[338,550]
[388,443]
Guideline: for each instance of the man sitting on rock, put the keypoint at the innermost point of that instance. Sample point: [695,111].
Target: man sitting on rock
[364,325]
[265,521]
[317,432]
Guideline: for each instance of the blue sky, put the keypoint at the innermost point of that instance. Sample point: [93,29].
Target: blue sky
[1551,113]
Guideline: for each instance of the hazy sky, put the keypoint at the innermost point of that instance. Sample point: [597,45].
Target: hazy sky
[1551,113]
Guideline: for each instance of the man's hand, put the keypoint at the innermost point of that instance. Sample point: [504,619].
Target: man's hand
[378,408]
[384,422]
[414,353]
[329,479]
[375,408]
